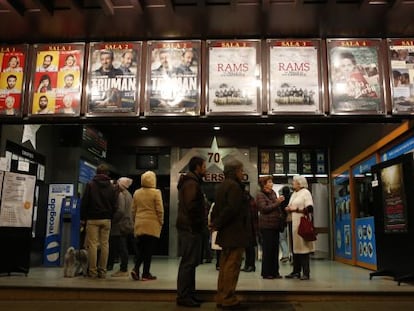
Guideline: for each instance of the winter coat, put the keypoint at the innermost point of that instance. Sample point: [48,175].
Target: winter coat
[271,216]
[147,207]
[300,199]
[124,210]
[231,216]
[191,204]
[99,200]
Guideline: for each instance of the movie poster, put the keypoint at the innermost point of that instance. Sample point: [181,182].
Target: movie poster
[56,80]
[355,76]
[113,78]
[401,60]
[12,76]
[234,78]
[294,76]
[173,78]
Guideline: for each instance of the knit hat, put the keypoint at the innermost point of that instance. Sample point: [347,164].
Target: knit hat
[125,182]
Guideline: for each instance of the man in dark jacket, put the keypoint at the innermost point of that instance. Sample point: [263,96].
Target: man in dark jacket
[231,219]
[98,205]
[190,223]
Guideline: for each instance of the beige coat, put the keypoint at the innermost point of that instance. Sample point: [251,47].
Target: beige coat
[147,207]
[300,199]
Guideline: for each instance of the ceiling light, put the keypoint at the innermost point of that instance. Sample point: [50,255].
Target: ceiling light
[217,128]
[291,127]
[144,128]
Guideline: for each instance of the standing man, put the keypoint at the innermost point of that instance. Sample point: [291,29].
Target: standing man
[98,205]
[190,222]
[231,219]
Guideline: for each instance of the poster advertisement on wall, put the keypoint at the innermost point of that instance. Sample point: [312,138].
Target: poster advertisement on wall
[113,79]
[294,76]
[13,59]
[56,80]
[173,78]
[17,200]
[234,77]
[355,76]
[401,60]
[57,193]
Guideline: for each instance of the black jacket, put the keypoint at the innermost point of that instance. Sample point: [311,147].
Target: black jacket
[99,200]
[191,208]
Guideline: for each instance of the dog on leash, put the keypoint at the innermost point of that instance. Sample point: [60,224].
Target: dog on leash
[75,262]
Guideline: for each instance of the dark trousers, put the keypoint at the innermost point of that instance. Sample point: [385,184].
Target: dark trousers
[250,253]
[301,263]
[270,255]
[145,248]
[118,247]
[189,248]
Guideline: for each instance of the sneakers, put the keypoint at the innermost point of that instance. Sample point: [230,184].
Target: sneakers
[120,274]
[284,259]
[135,275]
[148,277]
[293,276]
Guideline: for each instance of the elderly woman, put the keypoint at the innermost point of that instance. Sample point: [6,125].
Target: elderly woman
[300,202]
[270,224]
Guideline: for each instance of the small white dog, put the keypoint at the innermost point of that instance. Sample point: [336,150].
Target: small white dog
[75,262]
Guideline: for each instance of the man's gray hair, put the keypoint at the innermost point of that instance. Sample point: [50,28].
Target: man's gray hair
[231,167]
[301,180]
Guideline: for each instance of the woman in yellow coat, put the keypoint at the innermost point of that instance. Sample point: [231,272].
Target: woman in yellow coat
[148,214]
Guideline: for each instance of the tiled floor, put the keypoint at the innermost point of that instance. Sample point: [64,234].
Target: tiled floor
[333,286]
[326,276]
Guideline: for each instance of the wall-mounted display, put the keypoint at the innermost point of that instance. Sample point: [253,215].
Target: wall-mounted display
[56,80]
[13,60]
[113,81]
[401,61]
[264,162]
[173,78]
[355,76]
[234,77]
[294,76]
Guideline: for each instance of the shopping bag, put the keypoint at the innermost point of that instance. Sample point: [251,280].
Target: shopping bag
[306,229]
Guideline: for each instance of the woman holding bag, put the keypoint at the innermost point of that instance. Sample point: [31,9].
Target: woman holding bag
[301,202]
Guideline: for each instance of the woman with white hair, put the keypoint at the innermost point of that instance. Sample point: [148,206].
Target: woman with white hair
[301,202]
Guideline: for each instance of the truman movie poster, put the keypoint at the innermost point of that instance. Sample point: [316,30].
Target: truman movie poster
[401,56]
[294,79]
[233,77]
[113,83]
[56,82]
[355,77]
[12,75]
[173,78]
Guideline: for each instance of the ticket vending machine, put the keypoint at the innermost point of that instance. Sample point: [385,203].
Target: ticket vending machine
[69,225]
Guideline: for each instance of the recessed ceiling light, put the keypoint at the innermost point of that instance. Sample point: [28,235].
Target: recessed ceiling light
[217,128]
[290,127]
[144,128]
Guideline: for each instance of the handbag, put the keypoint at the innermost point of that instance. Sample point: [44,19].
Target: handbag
[306,229]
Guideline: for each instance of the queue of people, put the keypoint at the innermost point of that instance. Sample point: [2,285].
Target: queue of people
[238,222]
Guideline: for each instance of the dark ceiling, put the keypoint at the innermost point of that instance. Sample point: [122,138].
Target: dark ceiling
[87,20]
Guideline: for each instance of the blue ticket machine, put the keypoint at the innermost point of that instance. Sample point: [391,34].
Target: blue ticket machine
[69,225]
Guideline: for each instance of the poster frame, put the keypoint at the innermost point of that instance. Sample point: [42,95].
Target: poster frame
[406,107]
[352,45]
[20,50]
[117,48]
[256,81]
[294,44]
[57,74]
[176,48]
